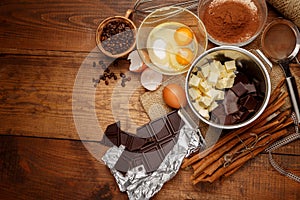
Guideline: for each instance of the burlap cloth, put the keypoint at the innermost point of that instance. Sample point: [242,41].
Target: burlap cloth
[153,102]
[290,9]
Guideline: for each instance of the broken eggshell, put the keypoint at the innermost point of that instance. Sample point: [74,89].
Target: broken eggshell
[136,63]
[151,79]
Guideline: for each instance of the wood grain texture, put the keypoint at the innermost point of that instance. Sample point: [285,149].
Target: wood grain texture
[47,48]
[36,95]
[27,173]
[56,25]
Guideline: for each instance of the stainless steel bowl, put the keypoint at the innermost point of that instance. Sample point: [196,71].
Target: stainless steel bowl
[256,68]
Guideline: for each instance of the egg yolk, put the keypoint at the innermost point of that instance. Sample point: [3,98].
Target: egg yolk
[183,36]
[184,56]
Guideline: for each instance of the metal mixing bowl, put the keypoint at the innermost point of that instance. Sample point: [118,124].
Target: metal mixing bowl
[255,68]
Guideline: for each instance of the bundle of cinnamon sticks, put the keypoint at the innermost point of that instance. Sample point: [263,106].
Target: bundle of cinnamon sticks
[237,147]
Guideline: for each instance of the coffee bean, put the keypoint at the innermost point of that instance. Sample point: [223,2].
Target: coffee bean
[122,75]
[107,70]
[117,37]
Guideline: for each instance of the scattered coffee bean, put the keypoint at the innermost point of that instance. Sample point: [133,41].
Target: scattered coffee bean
[109,74]
[122,75]
[102,77]
[103,66]
[107,70]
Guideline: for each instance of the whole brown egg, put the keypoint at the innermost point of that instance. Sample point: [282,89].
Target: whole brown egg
[174,96]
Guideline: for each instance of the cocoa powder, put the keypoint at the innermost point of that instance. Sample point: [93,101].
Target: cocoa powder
[231,21]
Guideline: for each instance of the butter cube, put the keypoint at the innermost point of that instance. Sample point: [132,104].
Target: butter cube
[213,77]
[202,111]
[216,94]
[212,93]
[197,105]
[221,67]
[200,75]
[205,70]
[206,101]
[203,86]
[194,81]
[194,93]
[212,106]
[221,95]
[230,66]
[225,83]
[223,74]
[215,66]
[230,83]
[231,74]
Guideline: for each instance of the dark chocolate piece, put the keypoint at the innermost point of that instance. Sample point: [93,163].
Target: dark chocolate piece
[149,146]
[230,102]
[251,88]
[241,77]
[250,103]
[239,89]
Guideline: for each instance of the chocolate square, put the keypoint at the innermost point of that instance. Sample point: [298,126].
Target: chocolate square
[239,89]
[161,129]
[250,103]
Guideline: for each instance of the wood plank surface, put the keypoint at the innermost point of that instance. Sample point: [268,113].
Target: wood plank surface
[54,25]
[52,116]
[36,168]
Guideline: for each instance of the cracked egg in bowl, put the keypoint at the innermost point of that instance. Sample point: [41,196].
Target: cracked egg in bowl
[169,40]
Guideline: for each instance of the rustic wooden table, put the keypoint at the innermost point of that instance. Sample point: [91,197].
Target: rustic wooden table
[44,154]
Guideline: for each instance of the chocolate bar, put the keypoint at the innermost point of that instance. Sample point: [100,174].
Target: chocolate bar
[149,146]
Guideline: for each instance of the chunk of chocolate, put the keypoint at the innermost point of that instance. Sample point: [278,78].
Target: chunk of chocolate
[251,88]
[239,89]
[241,77]
[250,103]
[149,146]
[230,102]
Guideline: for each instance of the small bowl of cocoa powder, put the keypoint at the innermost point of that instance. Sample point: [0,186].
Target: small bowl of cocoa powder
[116,36]
[233,22]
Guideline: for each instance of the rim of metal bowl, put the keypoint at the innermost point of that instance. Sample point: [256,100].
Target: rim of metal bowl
[266,77]
[264,10]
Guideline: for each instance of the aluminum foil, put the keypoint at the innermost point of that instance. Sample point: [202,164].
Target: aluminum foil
[141,185]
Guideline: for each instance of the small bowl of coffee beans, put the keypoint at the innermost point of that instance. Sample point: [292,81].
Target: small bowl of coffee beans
[116,36]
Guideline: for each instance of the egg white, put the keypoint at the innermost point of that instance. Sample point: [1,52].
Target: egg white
[162,47]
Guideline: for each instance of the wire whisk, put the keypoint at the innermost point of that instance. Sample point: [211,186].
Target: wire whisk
[190,5]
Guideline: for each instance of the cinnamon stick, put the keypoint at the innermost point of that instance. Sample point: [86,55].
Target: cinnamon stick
[257,123]
[276,91]
[243,159]
[209,170]
[212,168]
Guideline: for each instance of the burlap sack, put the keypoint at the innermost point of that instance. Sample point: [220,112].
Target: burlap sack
[289,8]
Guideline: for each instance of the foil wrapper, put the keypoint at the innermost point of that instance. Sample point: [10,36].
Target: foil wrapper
[141,185]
